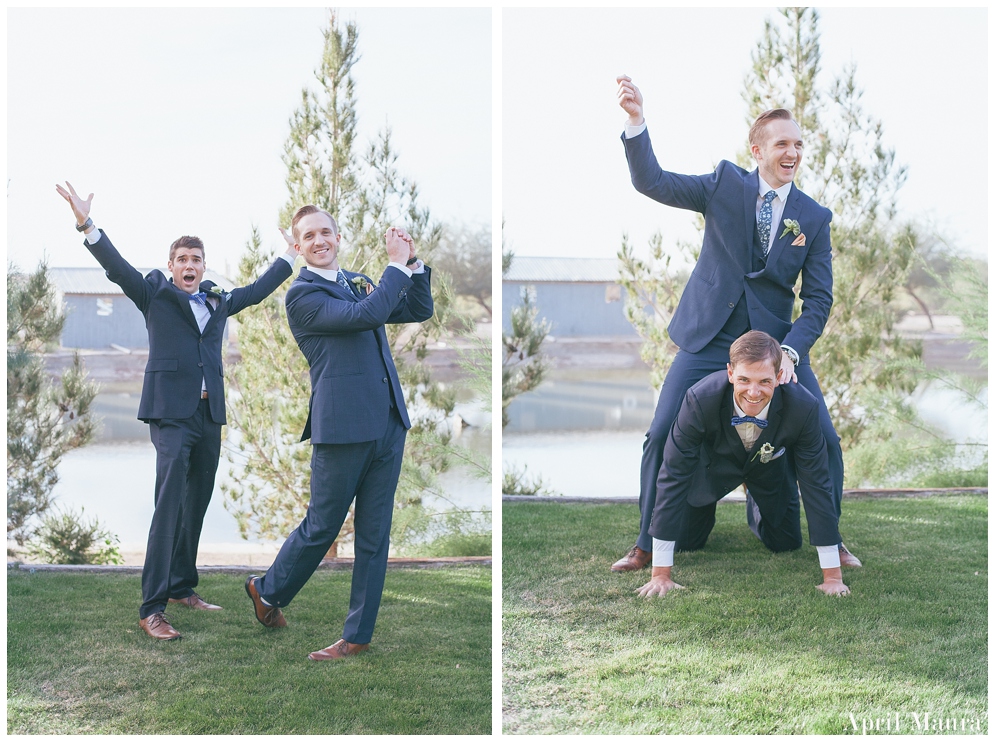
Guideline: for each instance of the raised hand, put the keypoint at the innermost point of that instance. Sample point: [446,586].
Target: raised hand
[400,246]
[80,207]
[291,242]
[630,99]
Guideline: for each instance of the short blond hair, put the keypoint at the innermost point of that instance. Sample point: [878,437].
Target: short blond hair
[756,131]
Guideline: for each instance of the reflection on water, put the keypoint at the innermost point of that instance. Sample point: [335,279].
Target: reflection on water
[608,400]
[585,440]
[589,463]
[113,479]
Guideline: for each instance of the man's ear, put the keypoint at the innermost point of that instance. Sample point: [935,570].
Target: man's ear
[729,368]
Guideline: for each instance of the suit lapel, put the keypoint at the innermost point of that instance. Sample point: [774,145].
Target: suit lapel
[183,299]
[728,432]
[354,289]
[752,188]
[767,434]
[333,286]
[791,211]
[216,311]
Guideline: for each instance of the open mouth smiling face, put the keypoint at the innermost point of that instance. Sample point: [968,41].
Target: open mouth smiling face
[187,267]
[781,153]
[752,385]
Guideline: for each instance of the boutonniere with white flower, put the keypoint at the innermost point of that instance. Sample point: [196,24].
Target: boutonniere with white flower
[363,285]
[790,225]
[765,453]
[217,290]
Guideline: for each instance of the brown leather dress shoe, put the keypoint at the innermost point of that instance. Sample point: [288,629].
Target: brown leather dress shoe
[338,651]
[847,559]
[195,601]
[268,615]
[635,560]
[158,627]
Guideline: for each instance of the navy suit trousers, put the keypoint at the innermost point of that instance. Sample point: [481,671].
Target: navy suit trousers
[786,536]
[187,453]
[341,472]
[686,371]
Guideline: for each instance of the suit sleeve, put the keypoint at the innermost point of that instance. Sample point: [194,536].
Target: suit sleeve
[680,191]
[255,292]
[120,271]
[417,304]
[816,292]
[318,312]
[812,470]
[681,456]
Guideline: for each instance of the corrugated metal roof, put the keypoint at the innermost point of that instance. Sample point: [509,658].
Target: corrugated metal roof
[577,270]
[95,281]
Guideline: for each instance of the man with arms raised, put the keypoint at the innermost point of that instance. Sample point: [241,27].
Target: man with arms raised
[740,426]
[183,401]
[357,420]
[761,232]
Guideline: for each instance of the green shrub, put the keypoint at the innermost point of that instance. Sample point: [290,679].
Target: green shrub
[460,545]
[68,538]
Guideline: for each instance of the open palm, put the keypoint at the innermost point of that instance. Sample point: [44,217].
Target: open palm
[80,207]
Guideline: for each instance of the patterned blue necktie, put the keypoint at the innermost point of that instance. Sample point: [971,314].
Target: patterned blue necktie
[747,419]
[340,278]
[764,220]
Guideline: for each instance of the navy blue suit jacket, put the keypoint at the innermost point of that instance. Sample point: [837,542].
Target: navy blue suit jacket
[343,338]
[728,200]
[179,355]
[704,459]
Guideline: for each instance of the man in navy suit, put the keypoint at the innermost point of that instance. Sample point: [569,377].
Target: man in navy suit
[761,232]
[183,401]
[357,421]
[739,426]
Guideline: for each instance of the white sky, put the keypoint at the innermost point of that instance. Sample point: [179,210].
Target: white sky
[176,119]
[566,189]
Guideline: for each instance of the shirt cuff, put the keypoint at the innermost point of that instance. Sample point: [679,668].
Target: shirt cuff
[634,131]
[93,237]
[797,354]
[401,267]
[418,267]
[663,553]
[289,259]
[829,556]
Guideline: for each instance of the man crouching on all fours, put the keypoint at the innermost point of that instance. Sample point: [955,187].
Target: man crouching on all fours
[740,427]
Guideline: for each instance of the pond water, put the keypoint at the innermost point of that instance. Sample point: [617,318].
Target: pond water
[584,437]
[113,479]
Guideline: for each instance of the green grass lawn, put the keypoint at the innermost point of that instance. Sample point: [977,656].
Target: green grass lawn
[77,661]
[750,646]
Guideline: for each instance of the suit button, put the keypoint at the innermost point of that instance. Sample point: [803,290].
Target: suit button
[384,379]
[731,305]
[201,365]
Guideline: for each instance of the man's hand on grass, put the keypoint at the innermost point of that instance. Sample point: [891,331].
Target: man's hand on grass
[832,582]
[659,584]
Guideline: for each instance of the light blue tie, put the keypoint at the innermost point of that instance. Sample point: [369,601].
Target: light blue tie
[764,220]
[340,276]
